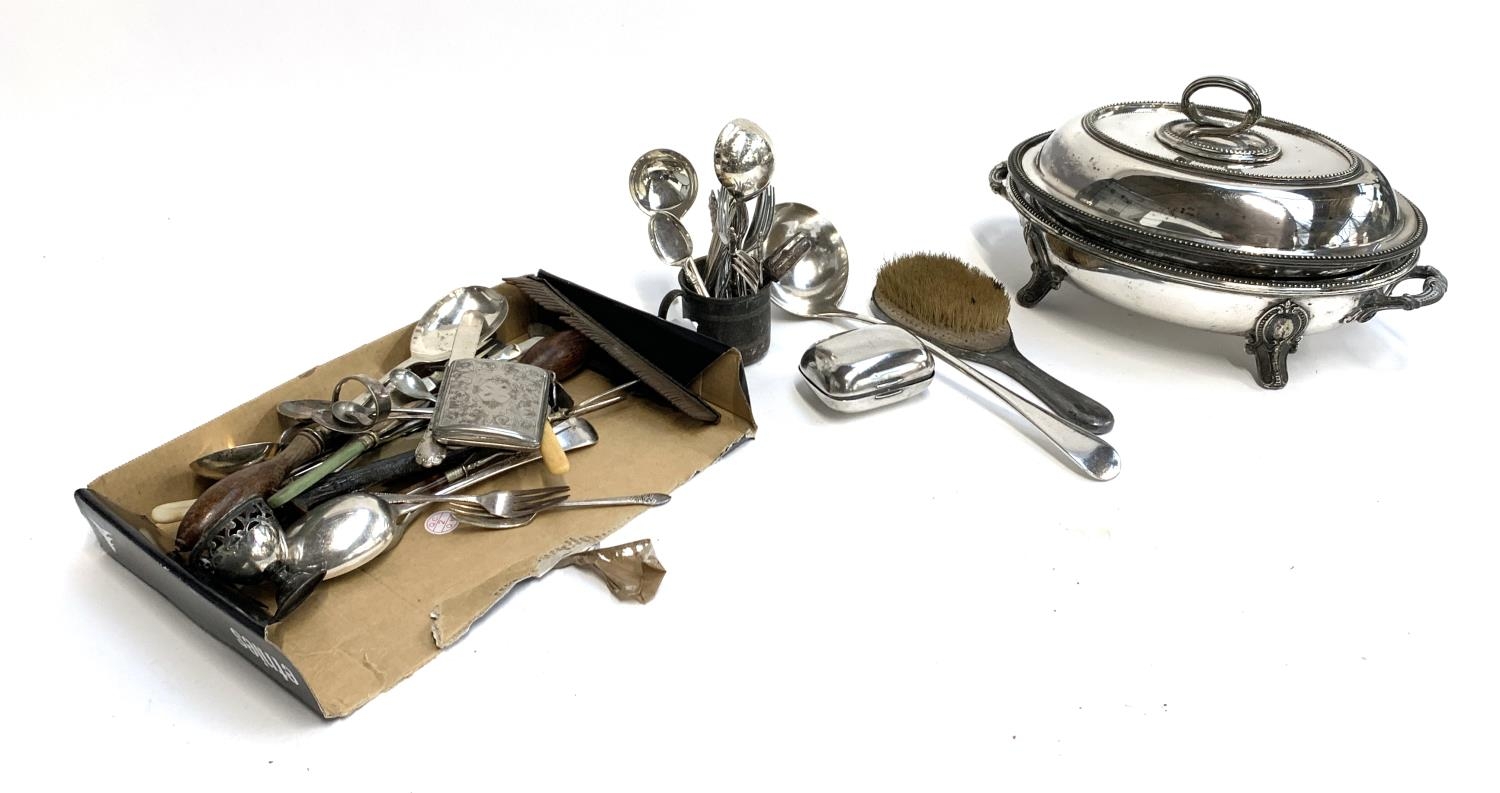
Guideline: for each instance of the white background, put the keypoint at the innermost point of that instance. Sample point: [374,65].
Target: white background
[1282,590]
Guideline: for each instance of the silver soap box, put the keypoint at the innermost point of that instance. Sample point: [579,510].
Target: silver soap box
[867,367]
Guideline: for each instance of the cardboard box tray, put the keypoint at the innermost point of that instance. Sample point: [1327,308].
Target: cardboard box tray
[360,634]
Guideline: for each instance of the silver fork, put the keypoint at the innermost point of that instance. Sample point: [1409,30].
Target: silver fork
[472,515]
[749,272]
[500,503]
[760,226]
[727,210]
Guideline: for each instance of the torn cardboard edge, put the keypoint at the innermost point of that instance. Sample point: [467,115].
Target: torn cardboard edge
[360,634]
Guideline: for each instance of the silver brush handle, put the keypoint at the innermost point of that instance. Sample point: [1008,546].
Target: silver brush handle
[1066,401]
[1086,451]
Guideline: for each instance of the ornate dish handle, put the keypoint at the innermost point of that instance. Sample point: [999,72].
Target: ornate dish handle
[1434,286]
[998,175]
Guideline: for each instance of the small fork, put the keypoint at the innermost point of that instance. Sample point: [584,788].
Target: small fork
[500,503]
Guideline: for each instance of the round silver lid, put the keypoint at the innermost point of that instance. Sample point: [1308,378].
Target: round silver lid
[1227,183]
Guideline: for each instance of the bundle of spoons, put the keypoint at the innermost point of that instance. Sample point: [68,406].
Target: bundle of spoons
[740,262]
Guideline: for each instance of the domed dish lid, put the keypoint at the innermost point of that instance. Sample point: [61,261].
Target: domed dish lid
[1222,183]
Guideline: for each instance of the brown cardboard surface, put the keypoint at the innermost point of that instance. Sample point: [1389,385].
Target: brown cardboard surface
[360,634]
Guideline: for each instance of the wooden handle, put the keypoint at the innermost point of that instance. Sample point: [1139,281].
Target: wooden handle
[562,353]
[227,494]
[553,455]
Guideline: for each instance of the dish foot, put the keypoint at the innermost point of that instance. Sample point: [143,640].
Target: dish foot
[1274,337]
[1045,276]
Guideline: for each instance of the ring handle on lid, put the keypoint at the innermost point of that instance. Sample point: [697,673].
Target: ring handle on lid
[1208,127]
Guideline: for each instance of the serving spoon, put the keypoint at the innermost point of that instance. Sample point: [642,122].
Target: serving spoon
[432,336]
[743,159]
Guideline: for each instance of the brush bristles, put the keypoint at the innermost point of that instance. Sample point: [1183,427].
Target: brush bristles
[942,291]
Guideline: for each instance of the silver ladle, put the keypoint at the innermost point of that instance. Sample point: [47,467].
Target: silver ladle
[661,180]
[815,286]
